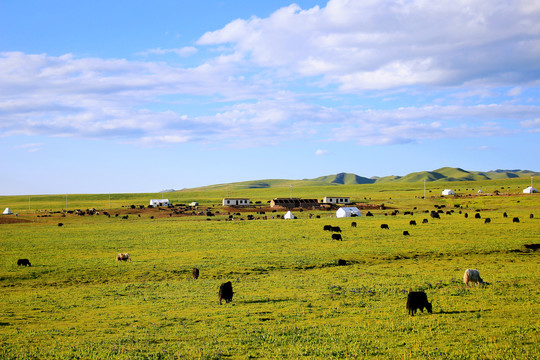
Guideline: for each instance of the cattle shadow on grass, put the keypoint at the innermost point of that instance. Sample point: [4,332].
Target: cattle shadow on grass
[442,312]
[263,301]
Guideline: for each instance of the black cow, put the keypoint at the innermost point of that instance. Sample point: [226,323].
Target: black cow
[412,222]
[353,224]
[425,221]
[477,216]
[533,246]
[327,228]
[516,220]
[505,215]
[337,237]
[487,220]
[406,233]
[369,214]
[385,226]
[23,262]
[336,229]
[342,262]
[195,273]
[434,215]
[531,216]
[418,300]
[225,292]
[466,215]
[60,224]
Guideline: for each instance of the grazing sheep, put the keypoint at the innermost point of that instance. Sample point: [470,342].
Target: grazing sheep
[418,300]
[472,276]
[123,257]
[385,226]
[23,262]
[225,292]
[337,237]
[195,273]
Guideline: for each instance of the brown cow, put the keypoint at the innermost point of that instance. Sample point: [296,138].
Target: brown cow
[123,257]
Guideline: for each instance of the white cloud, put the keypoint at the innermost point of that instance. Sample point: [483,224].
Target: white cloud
[378,45]
[269,77]
[321,152]
[182,52]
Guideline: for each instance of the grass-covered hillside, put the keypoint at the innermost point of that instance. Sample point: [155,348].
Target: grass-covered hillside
[291,299]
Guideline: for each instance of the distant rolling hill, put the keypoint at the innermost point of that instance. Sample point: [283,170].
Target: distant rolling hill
[442,174]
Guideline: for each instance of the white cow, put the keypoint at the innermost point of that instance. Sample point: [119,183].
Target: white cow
[472,276]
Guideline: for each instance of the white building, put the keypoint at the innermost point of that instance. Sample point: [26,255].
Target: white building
[347,212]
[530,190]
[159,202]
[336,199]
[236,202]
[448,192]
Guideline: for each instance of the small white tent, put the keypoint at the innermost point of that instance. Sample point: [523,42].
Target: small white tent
[448,192]
[480,192]
[288,215]
[7,212]
[530,190]
[347,212]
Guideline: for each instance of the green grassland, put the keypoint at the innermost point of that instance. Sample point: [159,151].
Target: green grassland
[291,299]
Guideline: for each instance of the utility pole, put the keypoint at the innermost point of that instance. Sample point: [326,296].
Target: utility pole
[291,191]
[424,189]
[66,202]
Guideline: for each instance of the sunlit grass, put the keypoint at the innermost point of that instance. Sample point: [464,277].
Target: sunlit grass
[291,299]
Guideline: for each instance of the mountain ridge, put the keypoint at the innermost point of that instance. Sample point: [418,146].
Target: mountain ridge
[343,178]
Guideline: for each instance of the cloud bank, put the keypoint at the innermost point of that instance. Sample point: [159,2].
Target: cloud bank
[370,72]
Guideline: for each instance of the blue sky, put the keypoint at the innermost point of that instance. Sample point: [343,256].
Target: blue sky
[138,96]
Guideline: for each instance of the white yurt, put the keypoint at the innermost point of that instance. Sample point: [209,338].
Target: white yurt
[530,190]
[288,215]
[480,192]
[448,192]
[347,212]
[7,212]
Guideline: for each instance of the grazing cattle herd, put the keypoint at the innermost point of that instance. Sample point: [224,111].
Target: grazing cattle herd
[416,300]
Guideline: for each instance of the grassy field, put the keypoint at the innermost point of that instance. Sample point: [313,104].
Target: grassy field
[291,299]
